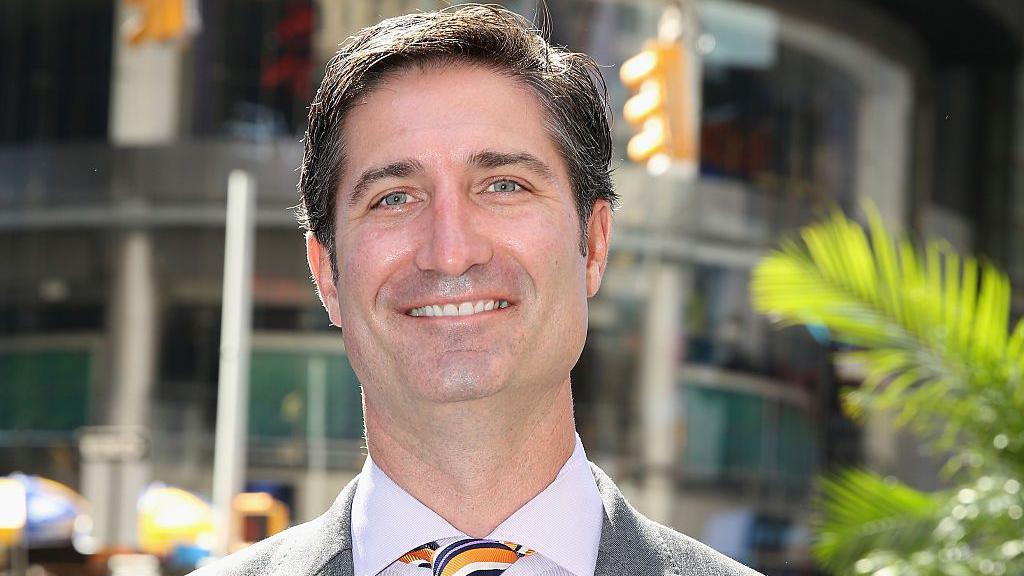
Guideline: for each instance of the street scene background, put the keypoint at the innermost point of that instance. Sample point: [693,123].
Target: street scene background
[116,145]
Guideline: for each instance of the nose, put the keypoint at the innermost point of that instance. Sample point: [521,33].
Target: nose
[454,243]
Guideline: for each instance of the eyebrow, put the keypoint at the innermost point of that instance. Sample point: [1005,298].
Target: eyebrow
[493,159]
[483,159]
[396,169]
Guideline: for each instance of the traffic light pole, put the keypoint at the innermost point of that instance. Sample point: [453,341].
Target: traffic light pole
[666,109]
[235,344]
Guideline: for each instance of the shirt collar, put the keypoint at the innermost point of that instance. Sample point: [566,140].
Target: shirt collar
[388,522]
[562,523]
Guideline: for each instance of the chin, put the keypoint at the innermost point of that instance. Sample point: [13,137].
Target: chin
[457,384]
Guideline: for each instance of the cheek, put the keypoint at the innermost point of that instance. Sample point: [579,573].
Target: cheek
[548,248]
[366,259]
[553,231]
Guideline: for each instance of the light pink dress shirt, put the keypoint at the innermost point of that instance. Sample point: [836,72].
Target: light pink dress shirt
[562,524]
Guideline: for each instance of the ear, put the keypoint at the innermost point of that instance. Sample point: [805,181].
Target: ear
[319,259]
[599,235]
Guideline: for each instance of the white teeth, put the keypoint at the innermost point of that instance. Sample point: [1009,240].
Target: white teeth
[461,309]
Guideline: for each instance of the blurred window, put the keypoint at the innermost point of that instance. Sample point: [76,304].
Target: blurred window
[51,318]
[604,378]
[55,60]
[252,68]
[32,381]
[280,392]
[773,116]
[795,454]
[190,344]
[723,330]
[745,438]
[727,427]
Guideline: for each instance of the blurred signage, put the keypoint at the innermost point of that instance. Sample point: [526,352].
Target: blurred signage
[113,443]
[134,565]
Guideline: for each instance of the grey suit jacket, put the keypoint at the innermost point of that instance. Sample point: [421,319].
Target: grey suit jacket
[631,545]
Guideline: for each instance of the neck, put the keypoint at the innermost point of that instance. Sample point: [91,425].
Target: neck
[475,463]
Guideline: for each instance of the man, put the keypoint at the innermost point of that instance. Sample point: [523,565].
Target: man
[457,198]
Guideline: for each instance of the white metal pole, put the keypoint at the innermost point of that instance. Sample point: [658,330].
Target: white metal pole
[316,432]
[663,335]
[235,344]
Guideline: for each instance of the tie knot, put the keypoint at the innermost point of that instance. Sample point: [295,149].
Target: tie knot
[466,556]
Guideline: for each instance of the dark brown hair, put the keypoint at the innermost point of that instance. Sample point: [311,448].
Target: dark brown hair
[568,85]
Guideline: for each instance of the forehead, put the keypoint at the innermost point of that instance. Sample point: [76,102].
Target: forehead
[445,113]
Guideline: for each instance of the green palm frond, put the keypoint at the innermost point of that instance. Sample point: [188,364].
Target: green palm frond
[873,526]
[882,293]
[929,331]
[863,513]
[930,328]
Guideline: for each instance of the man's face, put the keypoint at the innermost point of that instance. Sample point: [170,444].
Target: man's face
[460,275]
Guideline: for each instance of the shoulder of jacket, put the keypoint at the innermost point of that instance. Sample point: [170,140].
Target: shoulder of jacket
[690,556]
[258,558]
[636,544]
[301,549]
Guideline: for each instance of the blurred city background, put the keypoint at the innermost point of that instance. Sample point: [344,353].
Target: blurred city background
[115,151]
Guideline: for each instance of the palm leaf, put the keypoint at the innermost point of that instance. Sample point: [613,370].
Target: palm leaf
[930,327]
[930,333]
[871,525]
[863,513]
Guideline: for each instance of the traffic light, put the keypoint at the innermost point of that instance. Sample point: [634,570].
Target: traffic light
[159,20]
[662,107]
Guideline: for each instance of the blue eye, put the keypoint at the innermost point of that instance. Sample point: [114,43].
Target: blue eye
[394,199]
[504,186]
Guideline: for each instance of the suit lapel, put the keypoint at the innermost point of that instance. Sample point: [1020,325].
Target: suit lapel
[626,546]
[339,565]
[321,547]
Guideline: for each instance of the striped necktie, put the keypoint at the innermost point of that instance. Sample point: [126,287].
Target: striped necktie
[466,557]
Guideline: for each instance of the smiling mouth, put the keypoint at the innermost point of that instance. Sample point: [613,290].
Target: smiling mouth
[460,309]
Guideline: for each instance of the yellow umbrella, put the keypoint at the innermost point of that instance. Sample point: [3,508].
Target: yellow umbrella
[50,509]
[13,511]
[170,516]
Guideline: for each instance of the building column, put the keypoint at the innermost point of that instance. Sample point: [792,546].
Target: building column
[113,483]
[133,330]
[660,362]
